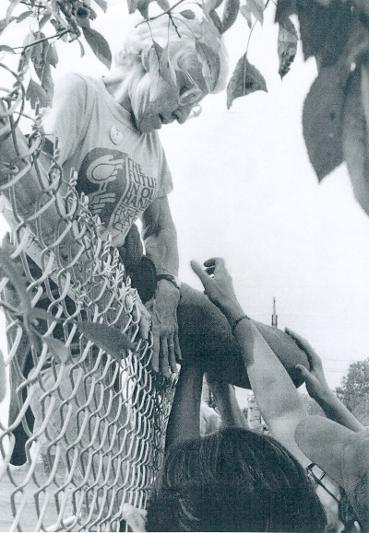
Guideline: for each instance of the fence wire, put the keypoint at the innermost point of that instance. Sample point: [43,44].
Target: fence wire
[85,432]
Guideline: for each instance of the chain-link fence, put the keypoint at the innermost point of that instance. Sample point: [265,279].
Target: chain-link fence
[87,417]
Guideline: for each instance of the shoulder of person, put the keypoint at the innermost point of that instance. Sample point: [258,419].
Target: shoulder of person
[76,85]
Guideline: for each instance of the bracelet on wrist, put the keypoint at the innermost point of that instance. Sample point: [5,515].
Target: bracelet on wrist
[237,321]
[172,279]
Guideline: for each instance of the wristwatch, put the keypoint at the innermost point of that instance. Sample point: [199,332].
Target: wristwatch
[169,277]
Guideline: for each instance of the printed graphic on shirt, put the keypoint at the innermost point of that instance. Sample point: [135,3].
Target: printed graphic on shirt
[117,188]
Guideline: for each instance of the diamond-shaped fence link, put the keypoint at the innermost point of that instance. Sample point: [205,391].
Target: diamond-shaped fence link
[86,429]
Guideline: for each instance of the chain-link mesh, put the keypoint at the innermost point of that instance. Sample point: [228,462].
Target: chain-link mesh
[86,428]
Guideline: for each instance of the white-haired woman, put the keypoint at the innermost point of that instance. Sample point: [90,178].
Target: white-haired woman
[107,132]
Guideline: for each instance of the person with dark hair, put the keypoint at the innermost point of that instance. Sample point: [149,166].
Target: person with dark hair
[235,479]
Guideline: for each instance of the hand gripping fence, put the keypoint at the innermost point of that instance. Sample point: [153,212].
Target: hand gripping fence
[86,424]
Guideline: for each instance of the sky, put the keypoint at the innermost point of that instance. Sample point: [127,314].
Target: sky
[244,189]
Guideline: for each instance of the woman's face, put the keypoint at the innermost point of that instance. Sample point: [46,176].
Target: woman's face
[159,102]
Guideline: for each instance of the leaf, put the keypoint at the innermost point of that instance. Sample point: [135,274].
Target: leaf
[103,4]
[29,39]
[108,338]
[81,48]
[23,16]
[245,79]
[211,5]
[83,18]
[35,93]
[324,29]
[165,69]
[37,313]
[216,21]
[213,62]
[287,46]
[322,120]
[58,348]
[44,20]
[5,22]
[13,4]
[131,4]
[285,8]
[5,48]
[99,45]
[43,72]
[230,12]
[246,13]
[163,4]
[141,5]
[188,14]
[355,136]
[15,275]
[257,9]
[51,55]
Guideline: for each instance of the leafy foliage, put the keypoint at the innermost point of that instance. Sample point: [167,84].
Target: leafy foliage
[231,9]
[245,79]
[71,20]
[99,45]
[356,135]
[287,46]
[324,29]
[322,120]
[354,388]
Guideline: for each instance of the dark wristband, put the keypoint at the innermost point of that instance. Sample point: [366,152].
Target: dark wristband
[237,321]
[169,277]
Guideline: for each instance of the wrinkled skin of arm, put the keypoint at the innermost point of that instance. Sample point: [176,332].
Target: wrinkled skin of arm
[160,240]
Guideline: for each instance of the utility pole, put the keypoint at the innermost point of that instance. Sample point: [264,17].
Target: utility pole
[274,315]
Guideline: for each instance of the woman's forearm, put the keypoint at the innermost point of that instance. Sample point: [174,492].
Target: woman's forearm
[227,405]
[162,250]
[184,420]
[275,393]
[160,237]
[338,412]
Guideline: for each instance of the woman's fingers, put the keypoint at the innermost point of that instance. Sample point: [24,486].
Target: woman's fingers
[177,348]
[214,261]
[302,343]
[155,352]
[172,354]
[304,372]
[164,356]
[200,272]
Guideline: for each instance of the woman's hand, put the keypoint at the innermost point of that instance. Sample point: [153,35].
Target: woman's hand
[166,350]
[317,387]
[315,380]
[218,286]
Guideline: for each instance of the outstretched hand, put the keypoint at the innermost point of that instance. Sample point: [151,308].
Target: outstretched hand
[218,286]
[315,380]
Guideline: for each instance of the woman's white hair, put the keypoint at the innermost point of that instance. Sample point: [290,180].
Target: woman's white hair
[188,39]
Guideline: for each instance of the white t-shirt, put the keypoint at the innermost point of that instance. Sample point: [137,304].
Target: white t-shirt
[121,170]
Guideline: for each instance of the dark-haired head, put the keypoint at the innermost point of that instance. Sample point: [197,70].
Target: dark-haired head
[233,480]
